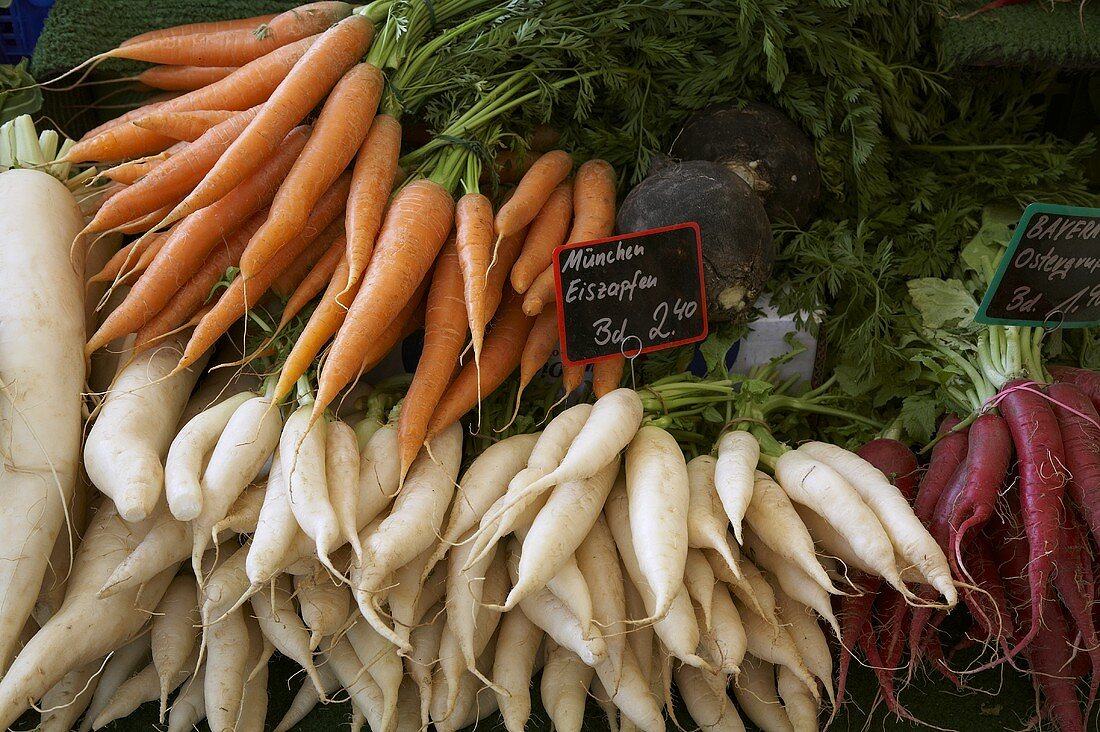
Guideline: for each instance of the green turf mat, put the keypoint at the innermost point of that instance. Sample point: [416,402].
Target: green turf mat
[1036,33]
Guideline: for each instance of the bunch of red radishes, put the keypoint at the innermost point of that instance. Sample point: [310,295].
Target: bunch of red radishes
[1012,496]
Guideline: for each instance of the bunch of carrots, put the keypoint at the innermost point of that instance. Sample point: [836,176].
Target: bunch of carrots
[233,190]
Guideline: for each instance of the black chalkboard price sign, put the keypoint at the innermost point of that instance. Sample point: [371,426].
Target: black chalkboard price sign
[630,294]
[1050,274]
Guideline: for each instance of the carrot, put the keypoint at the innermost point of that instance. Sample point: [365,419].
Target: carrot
[187,125]
[502,351]
[127,255]
[371,181]
[319,68]
[235,46]
[533,191]
[287,283]
[183,78]
[337,134]
[412,234]
[323,323]
[407,321]
[541,293]
[142,224]
[606,374]
[593,202]
[572,376]
[547,231]
[182,255]
[190,297]
[444,333]
[168,182]
[215,26]
[540,345]
[474,243]
[248,86]
[507,253]
[132,171]
[138,266]
[320,272]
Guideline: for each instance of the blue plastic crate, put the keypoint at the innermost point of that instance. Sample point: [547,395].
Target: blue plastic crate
[20,23]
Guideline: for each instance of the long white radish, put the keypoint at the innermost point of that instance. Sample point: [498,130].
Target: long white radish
[52,592]
[245,511]
[174,634]
[834,547]
[699,581]
[224,586]
[473,701]
[120,666]
[379,472]
[189,452]
[365,694]
[602,697]
[126,447]
[629,689]
[483,483]
[342,473]
[307,698]
[728,632]
[811,643]
[227,670]
[559,528]
[41,379]
[657,498]
[66,701]
[738,454]
[166,544]
[549,613]
[144,686]
[280,624]
[824,491]
[302,451]
[707,521]
[424,641]
[908,535]
[610,426]
[564,687]
[245,445]
[408,708]
[742,587]
[518,643]
[379,658]
[253,712]
[773,519]
[799,704]
[464,597]
[758,697]
[407,597]
[413,524]
[775,646]
[598,560]
[276,528]
[570,586]
[712,711]
[189,706]
[792,580]
[324,604]
[85,628]
[678,627]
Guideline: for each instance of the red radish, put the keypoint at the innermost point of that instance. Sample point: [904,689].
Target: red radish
[1080,438]
[1042,482]
[1076,586]
[1051,656]
[1085,380]
[947,455]
[896,461]
[854,617]
[989,451]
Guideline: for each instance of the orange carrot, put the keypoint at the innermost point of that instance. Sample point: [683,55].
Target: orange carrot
[533,191]
[503,347]
[593,202]
[415,227]
[235,46]
[571,377]
[215,26]
[306,265]
[142,224]
[190,241]
[405,324]
[189,299]
[541,293]
[317,71]
[540,345]
[128,256]
[511,166]
[371,181]
[238,299]
[319,275]
[474,241]
[337,135]
[187,126]
[445,325]
[183,78]
[607,375]
[134,170]
[498,275]
[170,181]
[547,232]
[245,88]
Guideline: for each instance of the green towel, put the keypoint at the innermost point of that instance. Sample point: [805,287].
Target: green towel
[1037,33]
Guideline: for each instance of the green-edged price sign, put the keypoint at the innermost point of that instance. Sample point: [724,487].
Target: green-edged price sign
[1050,275]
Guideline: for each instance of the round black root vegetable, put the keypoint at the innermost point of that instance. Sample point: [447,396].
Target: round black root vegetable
[765,148]
[737,242]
